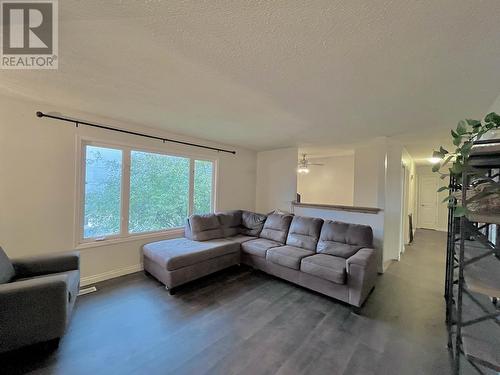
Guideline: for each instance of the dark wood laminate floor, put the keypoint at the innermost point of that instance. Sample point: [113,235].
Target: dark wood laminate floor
[245,322]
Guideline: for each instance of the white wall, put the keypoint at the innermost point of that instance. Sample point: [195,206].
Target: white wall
[332,183]
[410,194]
[378,182]
[442,209]
[393,207]
[369,173]
[276,179]
[37,194]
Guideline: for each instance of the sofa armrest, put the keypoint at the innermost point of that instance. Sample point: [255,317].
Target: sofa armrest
[362,258]
[46,264]
[33,310]
[361,275]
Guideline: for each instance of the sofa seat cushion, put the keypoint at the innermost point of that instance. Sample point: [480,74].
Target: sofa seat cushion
[240,238]
[182,252]
[339,249]
[72,282]
[287,256]
[326,267]
[259,246]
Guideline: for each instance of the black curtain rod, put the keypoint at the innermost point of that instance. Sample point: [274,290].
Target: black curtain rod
[80,122]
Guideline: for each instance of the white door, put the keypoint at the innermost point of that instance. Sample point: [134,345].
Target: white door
[427,202]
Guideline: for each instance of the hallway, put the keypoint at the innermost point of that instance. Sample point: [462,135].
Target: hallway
[409,301]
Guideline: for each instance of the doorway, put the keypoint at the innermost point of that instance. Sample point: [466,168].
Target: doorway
[427,202]
[405,222]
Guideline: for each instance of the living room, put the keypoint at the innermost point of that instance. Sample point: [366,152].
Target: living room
[235,187]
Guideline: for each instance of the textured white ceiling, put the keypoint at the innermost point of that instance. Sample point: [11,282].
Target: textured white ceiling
[268,74]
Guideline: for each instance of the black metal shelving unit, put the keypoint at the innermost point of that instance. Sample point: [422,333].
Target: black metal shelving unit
[472,283]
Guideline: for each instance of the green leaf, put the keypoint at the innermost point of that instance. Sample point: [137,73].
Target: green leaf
[493,117]
[459,211]
[454,134]
[436,167]
[447,160]
[457,168]
[473,123]
[437,154]
[466,148]
[457,140]
[443,151]
[462,127]
[443,188]
[449,198]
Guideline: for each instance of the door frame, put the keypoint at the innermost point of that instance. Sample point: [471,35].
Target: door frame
[436,213]
[405,225]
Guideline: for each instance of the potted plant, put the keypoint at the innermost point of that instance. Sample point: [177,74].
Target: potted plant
[481,187]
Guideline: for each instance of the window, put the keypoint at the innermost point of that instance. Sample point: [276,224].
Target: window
[203,175]
[128,192]
[159,192]
[103,181]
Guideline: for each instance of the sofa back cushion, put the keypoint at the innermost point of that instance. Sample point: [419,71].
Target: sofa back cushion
[343,239]
[251,223]
[304,232]
[203,227]
[7,271]
[276,227]
[230,222]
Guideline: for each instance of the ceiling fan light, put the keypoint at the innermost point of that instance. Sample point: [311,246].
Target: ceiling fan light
[434,160]
[303,170]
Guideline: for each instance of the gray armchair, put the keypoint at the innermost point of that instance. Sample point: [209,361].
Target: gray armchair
[37,295]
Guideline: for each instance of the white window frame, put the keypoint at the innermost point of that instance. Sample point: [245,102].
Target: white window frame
[124,235]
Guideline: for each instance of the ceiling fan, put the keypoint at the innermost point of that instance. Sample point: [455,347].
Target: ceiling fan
[303,167]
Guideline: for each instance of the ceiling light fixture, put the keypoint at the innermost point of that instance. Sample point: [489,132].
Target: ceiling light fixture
[303,166]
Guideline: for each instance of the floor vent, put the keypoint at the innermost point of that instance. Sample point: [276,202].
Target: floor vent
[90,289]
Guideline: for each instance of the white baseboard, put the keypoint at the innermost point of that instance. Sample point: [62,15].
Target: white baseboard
[88,280]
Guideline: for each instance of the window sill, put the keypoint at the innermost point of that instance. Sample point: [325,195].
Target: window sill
[168,234]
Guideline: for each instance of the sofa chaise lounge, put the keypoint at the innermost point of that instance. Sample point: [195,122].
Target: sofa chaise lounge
[330,257]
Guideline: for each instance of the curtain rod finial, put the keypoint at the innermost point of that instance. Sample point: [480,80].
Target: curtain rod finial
[39,114]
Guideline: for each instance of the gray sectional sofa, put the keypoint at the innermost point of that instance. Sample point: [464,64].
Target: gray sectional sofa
[333,258]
